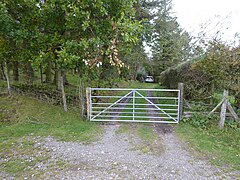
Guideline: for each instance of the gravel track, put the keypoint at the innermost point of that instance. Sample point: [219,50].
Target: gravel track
[113,158]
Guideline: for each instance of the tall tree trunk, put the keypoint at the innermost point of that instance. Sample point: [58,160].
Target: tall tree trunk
[29,73]
[8,81]
[2,74]
[48,73]
[57,79]
[65,81]
[237,101]
[41,74]
[63,93]
[105,65]
[15,71]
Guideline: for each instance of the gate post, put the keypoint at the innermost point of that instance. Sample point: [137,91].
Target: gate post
[180,98]
[134,94]
[88,96]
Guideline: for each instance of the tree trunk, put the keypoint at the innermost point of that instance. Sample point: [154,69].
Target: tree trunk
[237,100]
[2,74]
[65,81]
[105,65]
[29,73]
[57,79]
[15,71]
[8,81]
[48,73]
[41,74]
[63,94]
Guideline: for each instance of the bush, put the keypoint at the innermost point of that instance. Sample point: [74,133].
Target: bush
[196,82]
[201,121]
[231,123]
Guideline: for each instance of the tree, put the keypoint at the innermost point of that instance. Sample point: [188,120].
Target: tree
[171,43]
[62,35]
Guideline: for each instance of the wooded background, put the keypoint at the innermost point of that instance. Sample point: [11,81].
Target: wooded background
[44,44]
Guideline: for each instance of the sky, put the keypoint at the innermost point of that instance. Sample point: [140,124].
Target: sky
[213,15]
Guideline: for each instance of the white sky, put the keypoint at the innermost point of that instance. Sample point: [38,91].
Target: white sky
[192,13]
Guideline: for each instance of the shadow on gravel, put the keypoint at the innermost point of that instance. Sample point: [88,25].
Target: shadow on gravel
[164,128]
[109,123]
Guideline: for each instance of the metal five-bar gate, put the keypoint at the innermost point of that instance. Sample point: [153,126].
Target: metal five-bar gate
[133,105]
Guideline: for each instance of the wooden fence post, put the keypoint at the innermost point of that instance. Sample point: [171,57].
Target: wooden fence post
[88,93]
[180,87]
[223,109]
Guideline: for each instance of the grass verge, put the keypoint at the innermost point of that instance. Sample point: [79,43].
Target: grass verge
[22,116]
[222,147]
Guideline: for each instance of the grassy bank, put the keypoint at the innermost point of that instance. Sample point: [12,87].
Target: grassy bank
[22,116]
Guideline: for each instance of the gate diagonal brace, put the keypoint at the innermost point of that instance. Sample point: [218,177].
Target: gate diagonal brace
[156,106]
[112,104]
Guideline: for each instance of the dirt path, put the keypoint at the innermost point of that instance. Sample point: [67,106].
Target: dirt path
[114,158]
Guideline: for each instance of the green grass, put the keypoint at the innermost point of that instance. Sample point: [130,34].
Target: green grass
[32,116]
[137,85]
[147,134]
[222,147]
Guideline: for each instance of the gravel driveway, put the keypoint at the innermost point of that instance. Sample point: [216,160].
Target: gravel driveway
[114,158]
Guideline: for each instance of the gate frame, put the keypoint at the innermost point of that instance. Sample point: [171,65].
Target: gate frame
[179,99]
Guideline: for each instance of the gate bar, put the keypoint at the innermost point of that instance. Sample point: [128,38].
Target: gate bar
[127,89]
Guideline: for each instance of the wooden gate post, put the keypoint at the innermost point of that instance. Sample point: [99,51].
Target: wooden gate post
[88,93]
[223,109]
[180,87]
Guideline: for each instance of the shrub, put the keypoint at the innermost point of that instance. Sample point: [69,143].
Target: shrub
[201,121]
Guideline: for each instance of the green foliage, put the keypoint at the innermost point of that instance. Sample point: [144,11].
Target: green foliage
[63,35]
[215,70]
[219,96]
[205,122]
[199,107]
[136,61]
[201,121]
[171,44]
[232,124]
[197,84]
